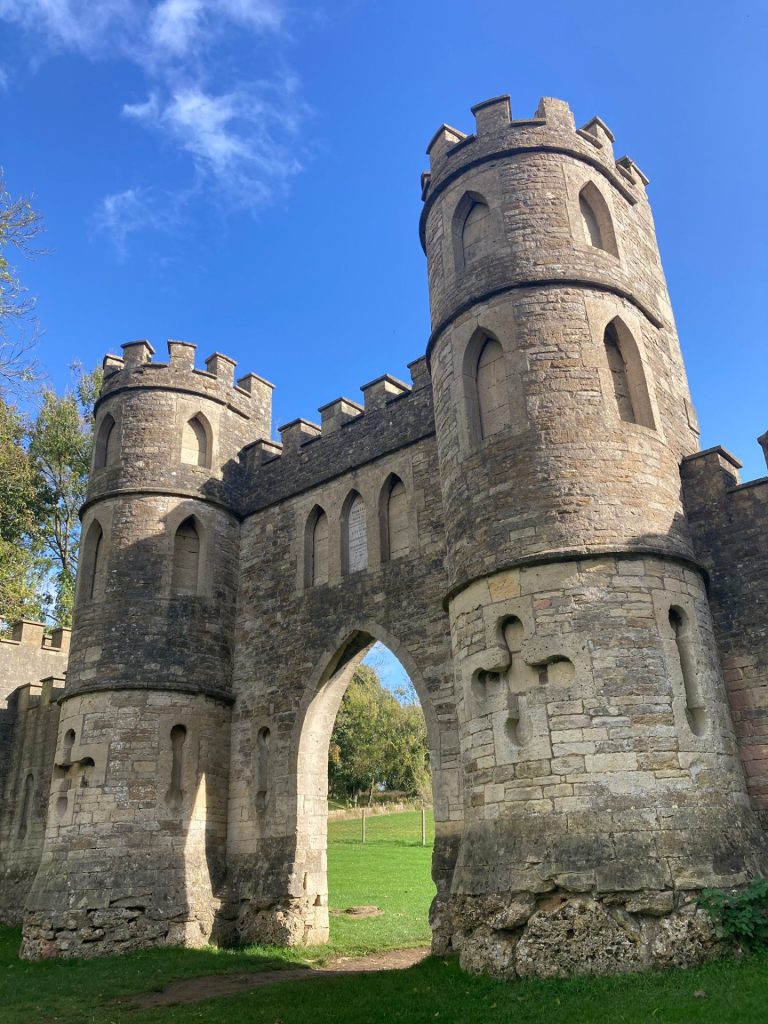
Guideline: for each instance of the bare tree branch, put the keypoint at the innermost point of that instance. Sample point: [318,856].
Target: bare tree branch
[20,225]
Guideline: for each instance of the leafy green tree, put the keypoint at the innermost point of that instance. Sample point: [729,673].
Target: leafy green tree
[410,770]
[60,444]
[377,742]
[21,568]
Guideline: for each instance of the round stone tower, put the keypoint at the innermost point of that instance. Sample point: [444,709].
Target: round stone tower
[601,780]
[136,833]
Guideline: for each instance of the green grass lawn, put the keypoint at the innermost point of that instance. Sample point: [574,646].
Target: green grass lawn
[392,871]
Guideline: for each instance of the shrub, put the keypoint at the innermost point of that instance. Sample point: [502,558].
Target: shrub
[740,915]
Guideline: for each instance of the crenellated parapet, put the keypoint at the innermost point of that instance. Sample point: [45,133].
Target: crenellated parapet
[534,177]
[392,415]
[31,653]
[170,426]
[552,127]
[249,396]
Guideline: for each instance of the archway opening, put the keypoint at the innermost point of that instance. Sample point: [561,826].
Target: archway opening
[365,787]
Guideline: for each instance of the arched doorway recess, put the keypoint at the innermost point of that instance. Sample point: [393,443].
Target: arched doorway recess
[313,729]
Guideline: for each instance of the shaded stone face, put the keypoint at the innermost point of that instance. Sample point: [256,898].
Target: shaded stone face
[511,525]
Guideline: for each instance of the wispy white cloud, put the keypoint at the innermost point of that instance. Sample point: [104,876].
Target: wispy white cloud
[134,210]
[142,31]
[236,139]
[181,26]
[77,25]
[238,126]
[3,79]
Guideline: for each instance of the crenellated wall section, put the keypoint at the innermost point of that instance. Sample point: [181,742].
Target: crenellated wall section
[728,521]
[32,668]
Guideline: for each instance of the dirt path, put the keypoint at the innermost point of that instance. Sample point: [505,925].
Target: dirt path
[214,986]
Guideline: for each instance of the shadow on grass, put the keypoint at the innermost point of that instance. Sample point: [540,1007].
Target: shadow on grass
[434,991]
[83,991]
[437,992]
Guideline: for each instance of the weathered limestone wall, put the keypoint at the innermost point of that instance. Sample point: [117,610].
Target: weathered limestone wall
[553,488]
[28,656]
[728,522]
[32,666]
[594,772]
[28,745]
[138,840]
[177,637]
[298,643]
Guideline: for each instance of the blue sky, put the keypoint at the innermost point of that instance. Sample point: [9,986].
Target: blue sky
[245,173]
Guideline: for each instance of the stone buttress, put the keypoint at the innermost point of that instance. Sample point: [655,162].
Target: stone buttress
[134,845]
[602,784]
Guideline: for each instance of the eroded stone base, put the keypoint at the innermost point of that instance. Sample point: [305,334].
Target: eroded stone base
[562,934]
[286,922]
[120,928]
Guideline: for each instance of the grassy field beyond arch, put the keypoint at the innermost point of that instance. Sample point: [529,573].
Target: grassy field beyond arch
[392,870]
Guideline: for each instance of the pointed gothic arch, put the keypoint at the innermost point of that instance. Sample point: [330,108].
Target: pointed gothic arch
[92,562]
[309,746]
[105,448]
[394,521]
[628,384]
[473,230]
[196,441]
[316,538]
[485,386]
[596,219]
[185,572]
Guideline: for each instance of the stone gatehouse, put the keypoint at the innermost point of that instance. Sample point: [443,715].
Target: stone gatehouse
[577,592]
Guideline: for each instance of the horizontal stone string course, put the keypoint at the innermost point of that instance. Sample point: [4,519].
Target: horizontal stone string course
[588,640]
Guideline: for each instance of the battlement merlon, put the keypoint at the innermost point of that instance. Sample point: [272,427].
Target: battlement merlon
[711,477]
[31,696]
[297,433]
[551,127]
[763,442]
[335,414]
[250,395]
[26,633]
[382,390]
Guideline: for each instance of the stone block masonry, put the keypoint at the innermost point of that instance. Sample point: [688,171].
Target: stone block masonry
[587,639]
[32,669]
